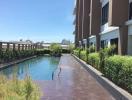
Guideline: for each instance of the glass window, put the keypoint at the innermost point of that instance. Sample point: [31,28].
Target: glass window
[104,44]
[130,11]
[105,11]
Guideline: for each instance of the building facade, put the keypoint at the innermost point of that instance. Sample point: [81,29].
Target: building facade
[103,23]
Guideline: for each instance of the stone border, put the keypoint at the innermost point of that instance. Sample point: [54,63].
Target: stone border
[115,90]
[3,66]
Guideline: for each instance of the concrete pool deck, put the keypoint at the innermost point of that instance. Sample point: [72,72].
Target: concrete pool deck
[74,83]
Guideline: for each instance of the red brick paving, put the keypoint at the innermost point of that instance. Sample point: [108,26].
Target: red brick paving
[74,83]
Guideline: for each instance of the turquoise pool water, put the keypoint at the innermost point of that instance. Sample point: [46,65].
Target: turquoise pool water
[39,68]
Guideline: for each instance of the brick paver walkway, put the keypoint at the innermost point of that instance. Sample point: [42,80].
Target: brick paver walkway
[74,83]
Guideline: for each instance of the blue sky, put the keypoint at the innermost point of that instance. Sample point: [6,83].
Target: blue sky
[37,20]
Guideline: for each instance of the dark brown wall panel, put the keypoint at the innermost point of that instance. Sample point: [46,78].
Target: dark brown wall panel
[97,42]
[95,17]
[118,12]
[123,40]
[80,16]
[76,24]
[86,18]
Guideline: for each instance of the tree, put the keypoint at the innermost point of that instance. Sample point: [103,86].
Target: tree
[55,49]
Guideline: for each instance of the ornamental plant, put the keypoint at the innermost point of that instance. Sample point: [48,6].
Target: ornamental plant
[92,49]
[83,55]
[55,49]
[119,70]
[93,59]
[15,89]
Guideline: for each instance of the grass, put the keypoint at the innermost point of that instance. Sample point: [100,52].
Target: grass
[15,89]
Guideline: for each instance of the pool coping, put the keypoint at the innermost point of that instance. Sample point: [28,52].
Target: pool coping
[5,65]
[116,91]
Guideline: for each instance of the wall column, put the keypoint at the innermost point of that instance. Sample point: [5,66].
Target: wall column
[76,25]
[123,40]
[118,15]
[97,42]
[14,46]
[28,46]
[25,46]
[22,46]
[8,46]
[31,46]
[86,21]
[80,20]
[95,20]
[19,47]
[0,45]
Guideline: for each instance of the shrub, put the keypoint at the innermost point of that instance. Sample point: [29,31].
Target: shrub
[7,55]
[66,51]
[71,47]
[83,55]
[55,49]
[87,54]
[102,57]
[11,55]
[110,51]
[42,51]
[91,49]
[76,52]
[119,70]
[1,56]
[105,53]
[93,59]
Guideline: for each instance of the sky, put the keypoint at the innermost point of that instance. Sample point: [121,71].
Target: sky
[37,20]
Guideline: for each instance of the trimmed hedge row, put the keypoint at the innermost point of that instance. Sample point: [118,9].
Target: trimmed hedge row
[119,70]
[77,53]
[66,51]
[83,55]
[42,51]
[10,55]
[93,59]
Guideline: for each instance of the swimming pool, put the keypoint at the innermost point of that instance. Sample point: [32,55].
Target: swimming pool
[39,68]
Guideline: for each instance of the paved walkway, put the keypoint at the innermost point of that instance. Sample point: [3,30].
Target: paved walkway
[74,83]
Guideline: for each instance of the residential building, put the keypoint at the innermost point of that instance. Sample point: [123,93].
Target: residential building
[103,23]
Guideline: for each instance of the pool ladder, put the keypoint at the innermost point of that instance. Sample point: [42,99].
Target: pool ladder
[54,73]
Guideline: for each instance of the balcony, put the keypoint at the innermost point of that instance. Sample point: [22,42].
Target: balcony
[74,11]
[74,22]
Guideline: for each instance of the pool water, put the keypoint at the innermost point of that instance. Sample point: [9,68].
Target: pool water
[39,68]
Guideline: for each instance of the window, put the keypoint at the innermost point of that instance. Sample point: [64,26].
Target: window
[104,44]
[115,42]
[130,10]
[105,10]
[91,43]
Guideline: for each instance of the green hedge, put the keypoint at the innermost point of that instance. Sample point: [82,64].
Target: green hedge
[42,51]
[119,70]
[66,51]
[83,55]
[10,55]
[93,59]
[76,52]
[55,49]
